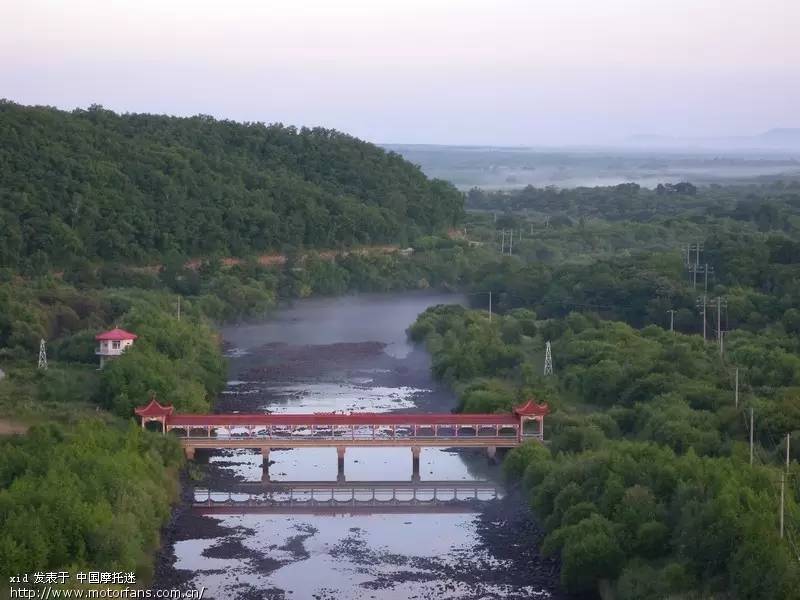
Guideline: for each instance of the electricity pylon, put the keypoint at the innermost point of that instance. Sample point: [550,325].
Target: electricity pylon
[548,360]
[43,355]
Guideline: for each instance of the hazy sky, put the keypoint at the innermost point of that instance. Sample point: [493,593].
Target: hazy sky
[423,71]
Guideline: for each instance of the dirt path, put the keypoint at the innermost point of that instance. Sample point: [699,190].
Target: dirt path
[270,260]
[9,427]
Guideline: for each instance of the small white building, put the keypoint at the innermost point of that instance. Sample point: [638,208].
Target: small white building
[111,344]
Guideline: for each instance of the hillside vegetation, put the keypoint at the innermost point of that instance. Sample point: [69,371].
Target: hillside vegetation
[92,184]
[647,485]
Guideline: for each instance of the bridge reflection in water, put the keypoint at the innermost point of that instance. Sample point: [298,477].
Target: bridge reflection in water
[347,498]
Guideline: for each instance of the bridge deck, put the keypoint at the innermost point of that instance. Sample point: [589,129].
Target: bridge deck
[257,442]
[266,487]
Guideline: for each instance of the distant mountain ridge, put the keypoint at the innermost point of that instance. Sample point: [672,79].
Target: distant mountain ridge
[779,138]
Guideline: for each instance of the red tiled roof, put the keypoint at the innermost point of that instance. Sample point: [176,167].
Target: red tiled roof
[531,409]
[115,335]
[224,420]
[154,409]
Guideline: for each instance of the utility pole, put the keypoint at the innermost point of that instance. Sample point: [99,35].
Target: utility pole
[511,242]
[783,486]
[671,320]
[720,334]
[503,243]
[701,303]
[548,359]
[705,269]
[547,222]
[736,389]
[179,308]
[490,306]
[693,268]
[751,436]
[42,355]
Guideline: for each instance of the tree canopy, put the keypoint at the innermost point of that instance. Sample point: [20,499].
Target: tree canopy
[134,187]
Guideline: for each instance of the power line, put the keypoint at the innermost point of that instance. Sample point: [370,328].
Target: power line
[751,436]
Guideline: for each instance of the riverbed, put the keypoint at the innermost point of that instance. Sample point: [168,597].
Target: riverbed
[348,354]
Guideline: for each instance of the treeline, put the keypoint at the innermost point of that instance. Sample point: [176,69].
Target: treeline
[767,206]
[92,184]
[757,274]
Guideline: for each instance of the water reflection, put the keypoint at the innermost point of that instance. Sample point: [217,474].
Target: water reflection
[347,497]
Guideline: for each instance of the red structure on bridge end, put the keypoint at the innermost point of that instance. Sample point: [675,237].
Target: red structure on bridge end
[155,411]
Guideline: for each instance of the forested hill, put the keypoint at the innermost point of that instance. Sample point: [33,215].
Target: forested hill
[92,184]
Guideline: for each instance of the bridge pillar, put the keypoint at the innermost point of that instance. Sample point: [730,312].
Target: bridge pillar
[491,452]
[265,464]
[415,452]
[340,450]
[189,450]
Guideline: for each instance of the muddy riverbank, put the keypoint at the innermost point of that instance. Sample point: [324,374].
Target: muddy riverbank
[347,355]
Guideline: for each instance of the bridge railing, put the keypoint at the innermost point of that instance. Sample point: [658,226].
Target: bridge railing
[347,495]
[344,433]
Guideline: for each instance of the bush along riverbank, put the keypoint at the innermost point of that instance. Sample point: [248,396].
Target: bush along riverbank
[644,485]
[92,496]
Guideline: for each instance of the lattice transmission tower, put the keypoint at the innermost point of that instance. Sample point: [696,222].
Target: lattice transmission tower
[43,355]
[548,360]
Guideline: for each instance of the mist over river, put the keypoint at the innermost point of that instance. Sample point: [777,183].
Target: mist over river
[347,354]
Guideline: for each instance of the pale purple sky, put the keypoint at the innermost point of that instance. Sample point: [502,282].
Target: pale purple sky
[419,71]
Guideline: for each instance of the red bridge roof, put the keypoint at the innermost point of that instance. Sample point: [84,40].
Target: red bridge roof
[154,409]
[342,419]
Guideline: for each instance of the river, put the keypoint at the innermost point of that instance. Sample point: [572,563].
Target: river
[344,354]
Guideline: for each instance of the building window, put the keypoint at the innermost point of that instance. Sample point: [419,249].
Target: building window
[115,345]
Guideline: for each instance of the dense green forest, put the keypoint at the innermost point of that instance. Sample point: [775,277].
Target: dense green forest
[645,486]
[92,184]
